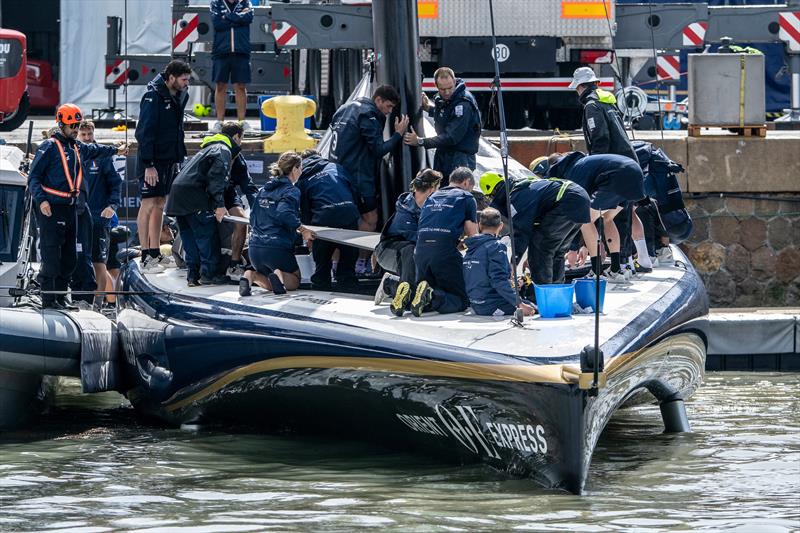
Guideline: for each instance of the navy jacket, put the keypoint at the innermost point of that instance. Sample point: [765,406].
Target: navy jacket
[603,129]
[200,184]
[327,197]
[240,177]
[231,27]
[160,129]
[609,179]
[457,122]
[47,170]
[443,215]
[103,186]
[275,216]
[405,219]
[487,274]
[358,143]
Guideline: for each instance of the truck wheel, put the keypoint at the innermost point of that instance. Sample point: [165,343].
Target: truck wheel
[15,120]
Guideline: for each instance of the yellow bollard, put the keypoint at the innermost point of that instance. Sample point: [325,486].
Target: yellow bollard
[290,111]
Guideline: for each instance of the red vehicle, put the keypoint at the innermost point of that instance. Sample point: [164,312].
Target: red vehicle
[14,101]
[42,88]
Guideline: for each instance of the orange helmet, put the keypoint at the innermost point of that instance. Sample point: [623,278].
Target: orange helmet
[69,114]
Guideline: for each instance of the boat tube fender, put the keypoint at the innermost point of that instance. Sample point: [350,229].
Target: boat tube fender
[141,335]
[100,368]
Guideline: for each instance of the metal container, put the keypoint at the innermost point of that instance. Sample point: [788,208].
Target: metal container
[726,90]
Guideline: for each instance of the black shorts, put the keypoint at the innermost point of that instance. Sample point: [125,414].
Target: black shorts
[232,199]
[112,262]
[368,200]
[231,68]
[266,259]
[166,173]
[101,240]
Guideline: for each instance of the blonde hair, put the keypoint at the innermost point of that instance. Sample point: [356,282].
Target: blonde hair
[285,164]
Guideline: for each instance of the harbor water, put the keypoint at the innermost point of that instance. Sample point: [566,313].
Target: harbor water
[91,465]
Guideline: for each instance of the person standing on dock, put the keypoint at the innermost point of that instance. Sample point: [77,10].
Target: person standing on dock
[604,133]
[446,215]
[55,182]
[231,56]
[457,121]
[197,200]
[357,144]
[487,273]
[395,251]
[104,186]
[161,148]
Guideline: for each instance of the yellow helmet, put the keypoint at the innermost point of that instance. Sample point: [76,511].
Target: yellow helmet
[489,181]
[539,166]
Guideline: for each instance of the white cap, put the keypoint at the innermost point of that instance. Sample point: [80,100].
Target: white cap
[582,75]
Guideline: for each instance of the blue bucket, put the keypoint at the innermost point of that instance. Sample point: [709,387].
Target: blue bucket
[585,291]
[554,300]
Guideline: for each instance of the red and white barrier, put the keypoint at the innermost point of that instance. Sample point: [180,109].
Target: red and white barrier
[184,32]
[789,32]
[668,68]
[695,34]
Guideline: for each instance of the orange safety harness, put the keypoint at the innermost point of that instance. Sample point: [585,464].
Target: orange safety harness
[74,187]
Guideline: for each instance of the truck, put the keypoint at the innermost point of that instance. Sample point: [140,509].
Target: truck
[14,99]
[322,49]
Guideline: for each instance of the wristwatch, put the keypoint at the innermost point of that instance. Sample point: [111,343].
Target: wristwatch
[420,141]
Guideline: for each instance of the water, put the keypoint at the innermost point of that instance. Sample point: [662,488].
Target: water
[92,466]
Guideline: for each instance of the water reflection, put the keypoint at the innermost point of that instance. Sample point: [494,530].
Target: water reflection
[100,468]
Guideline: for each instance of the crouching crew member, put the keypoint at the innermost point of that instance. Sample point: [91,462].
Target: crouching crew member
[358,145]
[103,187]
[487,272]
[395,251]
[548,215]
[611,181]
[274,222]
[197,201]
[457,121]
[239,177]
[55,182]
[446,215]
[328,198]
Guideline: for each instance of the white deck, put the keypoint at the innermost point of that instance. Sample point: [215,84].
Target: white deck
[539,337]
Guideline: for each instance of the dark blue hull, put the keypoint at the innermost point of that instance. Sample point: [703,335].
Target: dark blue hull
[199,360]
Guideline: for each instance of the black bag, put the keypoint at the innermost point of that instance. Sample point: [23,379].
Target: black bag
[660,177]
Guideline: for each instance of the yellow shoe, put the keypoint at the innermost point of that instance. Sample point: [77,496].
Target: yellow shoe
[422,299]
[401,298]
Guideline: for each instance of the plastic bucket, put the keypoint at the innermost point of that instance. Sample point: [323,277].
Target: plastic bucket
[585,293]
[554,300]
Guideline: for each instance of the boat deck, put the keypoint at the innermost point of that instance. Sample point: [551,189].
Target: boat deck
[537,338]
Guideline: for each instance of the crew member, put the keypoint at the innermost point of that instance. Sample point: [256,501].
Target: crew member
[395,251]
[55,182]
[197,201]
[612,181]
[161,148]
[274,223]
[103,185]
[487,272]
[231,56]
[457,121]
[328,198]
[548,215]
[239,177]
[446,215]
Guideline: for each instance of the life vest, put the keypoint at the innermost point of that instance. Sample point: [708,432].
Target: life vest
[74,186]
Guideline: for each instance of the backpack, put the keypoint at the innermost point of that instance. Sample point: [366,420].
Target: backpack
[661,184]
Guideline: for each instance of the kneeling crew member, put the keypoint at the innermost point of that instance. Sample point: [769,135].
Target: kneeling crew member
[487,272]
[328,198]
[239,177]
[274,222]
[612,181]
[197,201]
[548,215]
[457,121]
[395,251]
[55,182]
[446,215]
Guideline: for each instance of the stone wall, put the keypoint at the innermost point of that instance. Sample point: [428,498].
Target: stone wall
[747,250]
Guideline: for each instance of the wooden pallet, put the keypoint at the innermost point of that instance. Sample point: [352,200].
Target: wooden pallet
[760,130]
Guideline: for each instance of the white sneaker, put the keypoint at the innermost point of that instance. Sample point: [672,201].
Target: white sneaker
[361,267]
[246,125]
[166,261]
[664,256]
[236,271]
[150,265]
[380,294]
[654,260]
[217,127]
[618,278]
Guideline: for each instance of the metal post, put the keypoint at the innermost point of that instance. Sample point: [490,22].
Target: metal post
[793,114]
[673,414]
[396,35]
